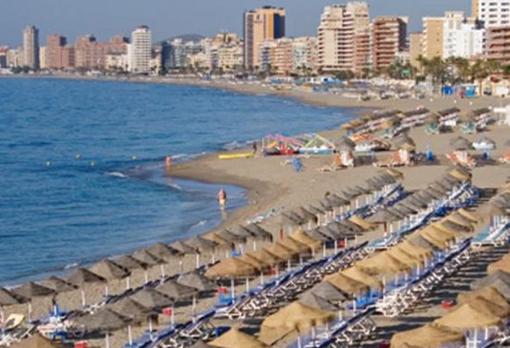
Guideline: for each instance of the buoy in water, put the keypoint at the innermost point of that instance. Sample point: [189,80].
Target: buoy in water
[133,158]
[92,164]
[48,163]
[78,156]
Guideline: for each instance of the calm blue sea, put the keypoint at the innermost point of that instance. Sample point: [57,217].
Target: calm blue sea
[81,173]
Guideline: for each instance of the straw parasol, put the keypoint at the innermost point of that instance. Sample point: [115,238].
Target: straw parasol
[346,284]
[151,298]
[30,290]
[231,237]
[176,291]
[359,275]
[313,300]
[162,251]
[250,260]
[489,293]
[316,235]
[133,310]
[83,276]
[294,245]
[292,219]
[304,239]
[196,281]
[501,265]
[36,341]
[426,336]
[460,144]
[147,258]
[501,310]
[200,344]
[104,320]
[109,270]
[264,257]
[280,250]
[58,284]
[498,276]
[183,248]
[382,263]
[129,263]
[403,257]
[361,222]
[230,268]
[416,242]
[328,292]
[235,338]
[7,298]
[293,317]
[201,244]
[259,232]
[467,317]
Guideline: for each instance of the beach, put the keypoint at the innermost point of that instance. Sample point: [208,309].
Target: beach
[273,186]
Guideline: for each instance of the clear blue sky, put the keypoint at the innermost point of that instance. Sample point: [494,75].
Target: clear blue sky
[105,18]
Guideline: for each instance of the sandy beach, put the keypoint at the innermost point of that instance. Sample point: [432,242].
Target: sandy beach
[273,185]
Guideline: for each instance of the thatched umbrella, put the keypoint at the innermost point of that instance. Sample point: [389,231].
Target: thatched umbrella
[427,336]
[59,284]
[183,248]
[104,320]
[81,277]
[315,234]
[202,245]
[230,268]
[313,300]
[234,338]
[259,231]
[460,144]
[163,251]
[150,260]
[31,290]
[129,263]
[7,298]
[109,271]
[151,298]
[466,317]
[136,312]
[177,291]
[197,281]
[498,276]
[200,344]
[328,292]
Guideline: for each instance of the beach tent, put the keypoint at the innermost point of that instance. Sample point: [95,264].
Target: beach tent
[196,281]
[313,300]
[346,284]
[36,341]
[293,317]
[176,291]
[234,338]
[109,270]
[151,298]
[465,317]
[58,284]
[428,336]
[327,291]
[230,268]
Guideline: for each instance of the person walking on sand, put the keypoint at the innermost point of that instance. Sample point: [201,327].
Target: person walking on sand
[222,198]
[254,147]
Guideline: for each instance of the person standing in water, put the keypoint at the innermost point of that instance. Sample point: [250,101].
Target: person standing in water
[168,163]
[222,198]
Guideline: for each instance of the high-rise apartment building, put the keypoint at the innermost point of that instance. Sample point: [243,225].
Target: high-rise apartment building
[54,51]
[31,47]
[462,37]
[492,12]
[140,50]
[415,48]
[342,37]
[388,39]
[432,41]
[498,44]
[260,25]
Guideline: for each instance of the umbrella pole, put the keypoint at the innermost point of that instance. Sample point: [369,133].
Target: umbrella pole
[107,338]
[232,288]
[247,284]
[162,268]
[193,309]
[30,311]
[197,258]
[261,277]
[130,336]
[254,245]
[181,265]
[106,290]
[128,283]
[150,327]
[172,317]
[146,276]
[324,250]
[299,344]
[83,302]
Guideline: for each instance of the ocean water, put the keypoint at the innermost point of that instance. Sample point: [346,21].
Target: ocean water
[81,174]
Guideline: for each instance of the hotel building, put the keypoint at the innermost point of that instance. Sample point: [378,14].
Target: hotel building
[260,25]
[498,44]
[462,37]
[31,47]
[432,43]
[492,12]
[388,39]
[140,50]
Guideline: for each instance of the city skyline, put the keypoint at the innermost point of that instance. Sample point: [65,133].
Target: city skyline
[166,19]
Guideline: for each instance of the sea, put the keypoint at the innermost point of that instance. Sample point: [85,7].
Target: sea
[81,165]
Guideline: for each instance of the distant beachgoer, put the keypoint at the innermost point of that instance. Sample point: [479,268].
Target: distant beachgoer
[222,198]
[254,147]
[168,162]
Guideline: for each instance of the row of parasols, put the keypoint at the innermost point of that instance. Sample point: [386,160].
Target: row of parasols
[479,313]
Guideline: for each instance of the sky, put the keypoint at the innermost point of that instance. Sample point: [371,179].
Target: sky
[167,18]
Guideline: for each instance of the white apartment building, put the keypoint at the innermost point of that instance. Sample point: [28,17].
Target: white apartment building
[492,12]
[31,47]
[140,50]
[462,37]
